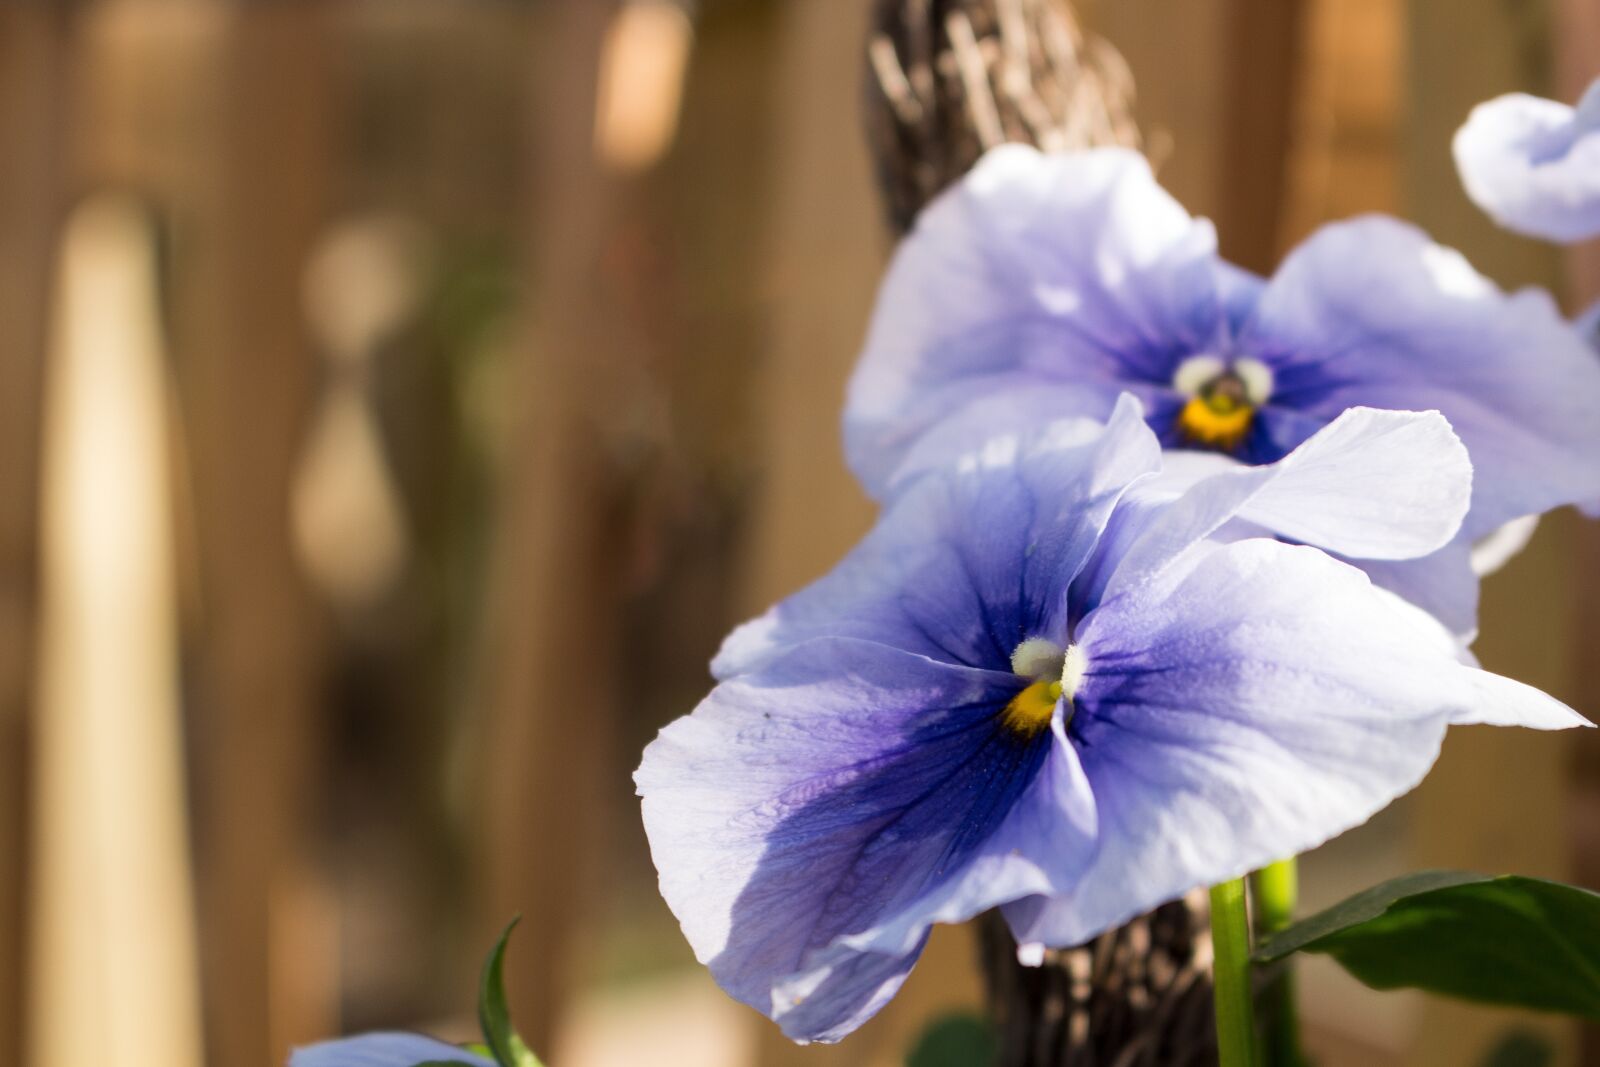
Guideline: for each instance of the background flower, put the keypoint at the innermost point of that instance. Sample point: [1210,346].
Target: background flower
[1046,285]
[1534,165]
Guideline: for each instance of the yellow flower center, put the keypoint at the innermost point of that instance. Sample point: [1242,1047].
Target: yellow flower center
[1029,712]
[1056,672]
[1216,419]
[1223,398]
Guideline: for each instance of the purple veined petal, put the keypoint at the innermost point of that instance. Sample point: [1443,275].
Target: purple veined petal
[1258,700]
[1372,313]
[1488,699]
[1372,484]
[810,820]
[1074,271]
[384,1050]
[1443,584]
[1238,290]
[1067,414]
[967,562]
[1379,485]
[1533,165]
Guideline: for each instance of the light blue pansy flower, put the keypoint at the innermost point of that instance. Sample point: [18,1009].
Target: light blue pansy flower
[1046,285]
[1534,165]
[1053,681]
[385,1050]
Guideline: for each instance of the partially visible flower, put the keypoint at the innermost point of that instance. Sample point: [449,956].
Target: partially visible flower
[1534,165]
[385,1050]
[1046,285]
[1050,681]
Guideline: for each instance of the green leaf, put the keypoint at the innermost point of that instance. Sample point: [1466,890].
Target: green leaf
[1365,905]
[954,1041]
[499,1034]
[1515,941]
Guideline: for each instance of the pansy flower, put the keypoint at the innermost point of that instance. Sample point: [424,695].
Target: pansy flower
[1534,165]
[1047,285]
[1049,683]
[386,1050]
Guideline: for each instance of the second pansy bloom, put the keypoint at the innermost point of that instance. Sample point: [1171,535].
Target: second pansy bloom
[1051,681]
[1047,285]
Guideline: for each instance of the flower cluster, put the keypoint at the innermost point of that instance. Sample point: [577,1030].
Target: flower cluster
[1175,575]
[1171,579]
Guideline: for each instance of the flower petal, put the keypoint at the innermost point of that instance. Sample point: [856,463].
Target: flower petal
[1075,272]
[1256,701]
[968,562]
[1371,484]
[1533,165]
[833,805]
[1443,584]
[384,1050]
[1372,313]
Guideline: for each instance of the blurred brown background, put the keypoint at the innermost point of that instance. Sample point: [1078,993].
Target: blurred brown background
[400,398]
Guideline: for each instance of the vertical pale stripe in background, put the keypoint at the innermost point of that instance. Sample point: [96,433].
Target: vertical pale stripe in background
[643,61]
[114,976]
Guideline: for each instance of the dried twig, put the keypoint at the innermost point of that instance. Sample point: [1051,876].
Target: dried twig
[948,79]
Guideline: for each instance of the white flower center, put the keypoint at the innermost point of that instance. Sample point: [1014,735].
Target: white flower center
[1074,665]
[1042,660]
[1038,658]
[1197,375]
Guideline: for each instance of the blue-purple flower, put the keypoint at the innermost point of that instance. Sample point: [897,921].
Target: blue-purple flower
[1534,165]
[385,1050]
[1052,681]
[1047,285]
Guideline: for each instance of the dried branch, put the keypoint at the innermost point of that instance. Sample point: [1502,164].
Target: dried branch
[948,79]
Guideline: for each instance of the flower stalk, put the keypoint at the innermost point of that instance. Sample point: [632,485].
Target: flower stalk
[1230,934]
[1275,891]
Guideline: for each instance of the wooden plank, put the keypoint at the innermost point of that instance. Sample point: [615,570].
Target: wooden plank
[1459,823]
[555,667]
[1178,54]
[1263,62]
[829,246]
[248,201]
[1577,37]
[34,52]
[112,953]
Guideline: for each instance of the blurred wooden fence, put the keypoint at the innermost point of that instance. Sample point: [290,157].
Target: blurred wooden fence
[609,418]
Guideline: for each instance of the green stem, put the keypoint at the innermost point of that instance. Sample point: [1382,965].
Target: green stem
[1230,937]
[1275,890]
